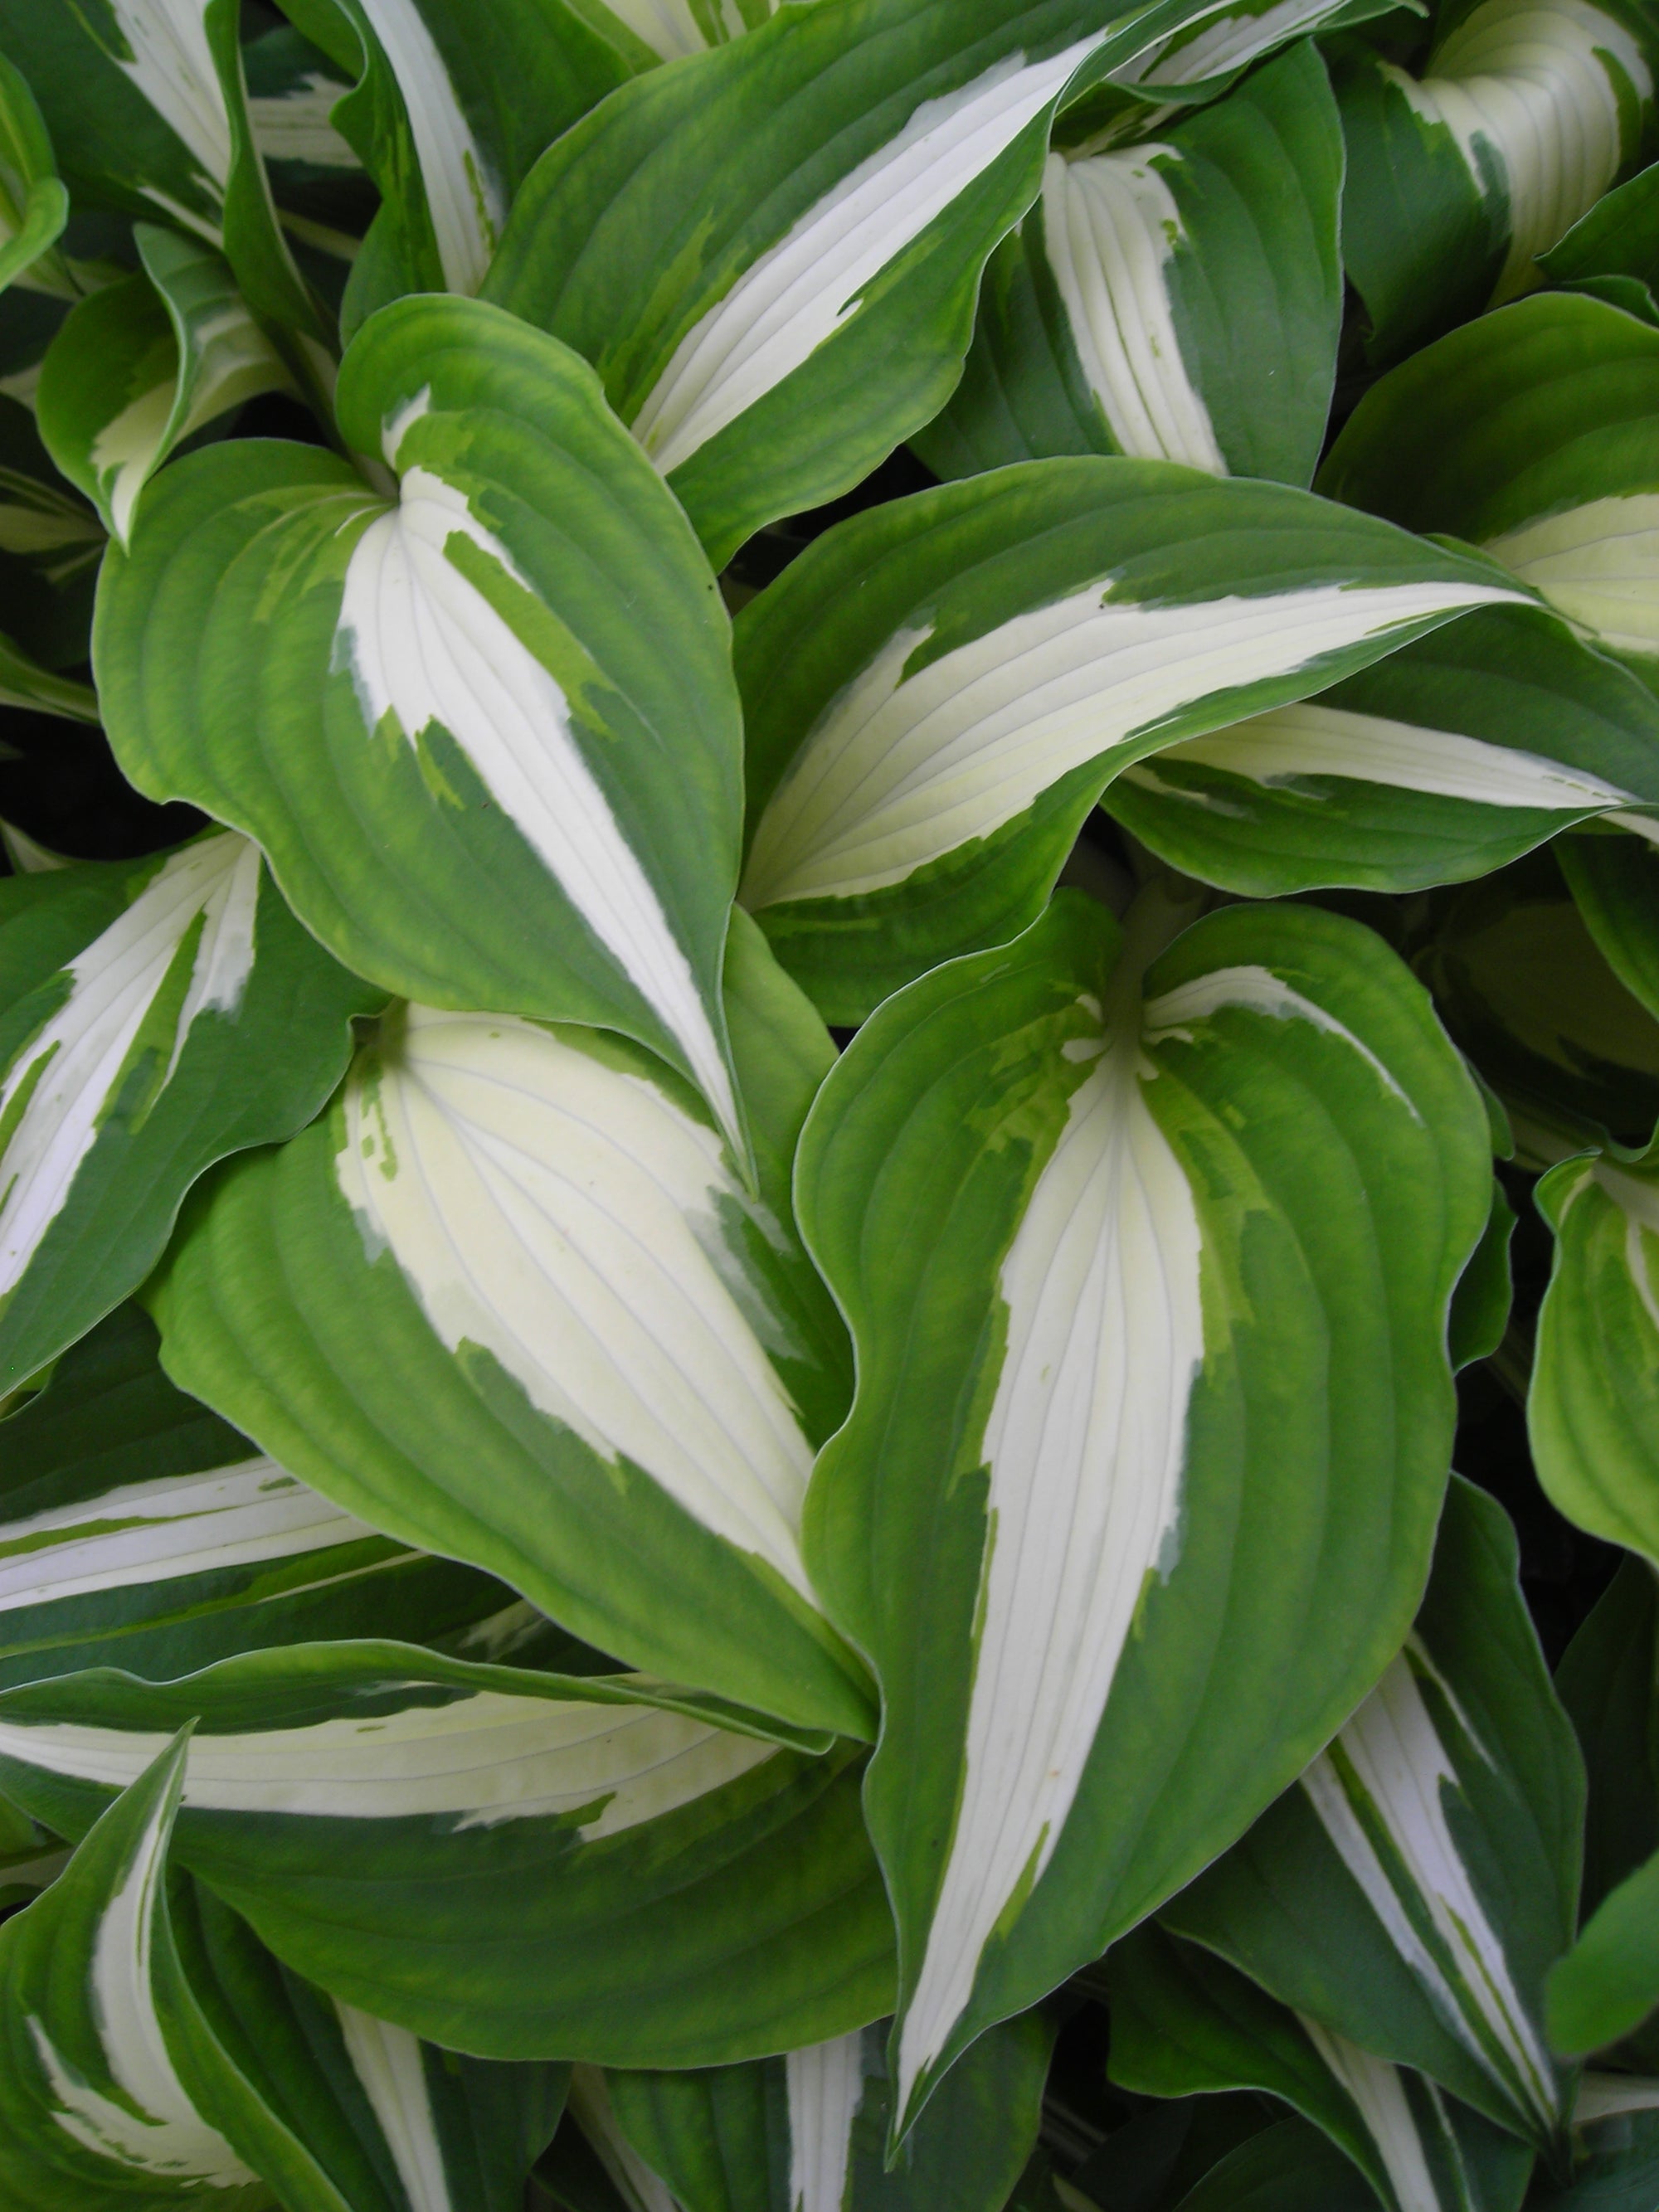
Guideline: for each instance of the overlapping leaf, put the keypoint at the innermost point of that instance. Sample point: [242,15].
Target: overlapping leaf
[515,1863]
[159,1014]
[50,545]
[1130,1309]
[938,690]
[515,678]
[33,204]
[543,1327]
[1411,1890]
[1178,300]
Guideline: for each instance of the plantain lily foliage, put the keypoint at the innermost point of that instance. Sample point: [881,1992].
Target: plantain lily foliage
[829,920]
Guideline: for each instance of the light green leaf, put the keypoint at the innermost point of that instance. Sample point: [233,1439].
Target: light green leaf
[1486,1290]
[807,2132]
[33,204]
[1535,432]
[624,1362]
[1455,755]
[1054,1553]
[938,690]
[159,1014]
[518,674]
[515,1863]
[1609,1982]
[1177,301]
[771,328]
[139,365]
[1591,1411]
[1183,2022]
[1411,1891]
[136,1530]
[1458,179]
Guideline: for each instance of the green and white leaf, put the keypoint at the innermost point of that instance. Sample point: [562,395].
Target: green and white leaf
[159,1014]
[1086,1689]
[1177,301]
[1452,757]
[1411,1891]
[770,329]
[24,683]
[137,1530]
[51,543]
[807,2132]
[624,1362]
[1534,433]
[1595,1376]
[33,204]
[939,691]
[140,366]
[517,673]
[1185,2023]
[1459,180]
[515,1863]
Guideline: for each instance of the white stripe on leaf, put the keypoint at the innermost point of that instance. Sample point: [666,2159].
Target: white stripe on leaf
[1377,2090]
[1314,739]
[177,1525]
[570,1217]
[902,769]
[1534,88]
[1220,42]
[1598,564]
[485,1757]
[63,1081]
[1110,226]
[295,126]
[1602,2095]
[826,2086]
[1390,1762]
[1258,991]
[165,2135]
[423,643]
[169,60]
[463,192]
[1085,1445]
[388,2062]
[801,290]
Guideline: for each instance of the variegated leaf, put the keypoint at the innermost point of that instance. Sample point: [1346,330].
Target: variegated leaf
[1129,1307]
[511,1862]
[1524,114]
[1453,756]
[939,691]
[1534,433]
[50,545]
[139,365]
[1178,300]
[772,330]
[1185,2023]
[517,673]
[624,1361]
[158,1014]
[33,204]
[137,1530]
[1410,1893]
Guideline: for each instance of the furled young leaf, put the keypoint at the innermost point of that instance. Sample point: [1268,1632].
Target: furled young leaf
[50,545]
[450,114]
[1457,180]
[1455,755]
[1534,432]
[1528,993]
[1409,1894]
[622,1363]
[1083,1529]
[515,1863]
[1183,2022]
[159,1014]
[771,327]
[515,678]
[939,689]
[137,1530]
[33,204]
[139,365]
[1591,1410]
[1178,300]
[808,2132]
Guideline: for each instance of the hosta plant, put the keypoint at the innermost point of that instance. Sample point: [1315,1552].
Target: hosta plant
[831,922]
